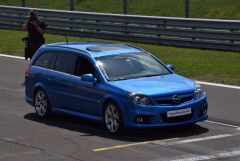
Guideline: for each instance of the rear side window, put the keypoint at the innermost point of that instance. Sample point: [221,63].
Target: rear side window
[44,60]
[65,62]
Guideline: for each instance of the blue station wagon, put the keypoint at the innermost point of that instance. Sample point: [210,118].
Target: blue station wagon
[115,84]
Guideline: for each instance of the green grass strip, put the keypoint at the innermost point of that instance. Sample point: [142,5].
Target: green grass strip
[204,65]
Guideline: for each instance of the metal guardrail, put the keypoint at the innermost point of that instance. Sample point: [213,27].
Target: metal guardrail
[182,32]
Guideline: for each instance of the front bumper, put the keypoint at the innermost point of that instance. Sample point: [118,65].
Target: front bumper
[156,115]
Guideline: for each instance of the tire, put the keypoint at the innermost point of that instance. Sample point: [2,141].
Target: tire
[112,118]
[41,104]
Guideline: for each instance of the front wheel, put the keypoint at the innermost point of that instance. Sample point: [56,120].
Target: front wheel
[112,118]
[41,104]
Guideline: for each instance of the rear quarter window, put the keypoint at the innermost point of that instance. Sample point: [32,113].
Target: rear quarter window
[44,60]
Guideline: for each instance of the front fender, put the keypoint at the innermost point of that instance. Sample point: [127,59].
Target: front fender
[121,101]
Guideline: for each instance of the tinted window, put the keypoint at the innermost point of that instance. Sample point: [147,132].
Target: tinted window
[44,60]
[130,66]
[84,66]
[65,62]
[51,66]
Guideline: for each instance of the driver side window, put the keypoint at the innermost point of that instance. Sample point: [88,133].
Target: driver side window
[84,66]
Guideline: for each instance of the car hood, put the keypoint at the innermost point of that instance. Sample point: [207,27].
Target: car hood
[157,85]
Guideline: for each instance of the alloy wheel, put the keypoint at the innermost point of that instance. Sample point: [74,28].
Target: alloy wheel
[112,118]
[41,104]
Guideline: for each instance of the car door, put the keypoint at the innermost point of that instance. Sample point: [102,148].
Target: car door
[87,95]
[60,84]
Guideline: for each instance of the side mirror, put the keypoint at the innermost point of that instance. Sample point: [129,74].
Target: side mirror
[171,67]
[88,78]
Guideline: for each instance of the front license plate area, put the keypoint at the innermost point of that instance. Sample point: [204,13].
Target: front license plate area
[180,112]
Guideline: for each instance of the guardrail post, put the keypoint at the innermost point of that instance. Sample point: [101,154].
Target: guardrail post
[71,5]
[232,41]
[186,6]
[23,3]
[125,6]
[158,27]
[193,28]
[97,21]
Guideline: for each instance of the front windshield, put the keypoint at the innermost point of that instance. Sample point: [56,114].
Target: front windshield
[130,66]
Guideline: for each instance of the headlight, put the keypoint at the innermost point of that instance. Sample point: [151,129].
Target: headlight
[199,91]
[139,99]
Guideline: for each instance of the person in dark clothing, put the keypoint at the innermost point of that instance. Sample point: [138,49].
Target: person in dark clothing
[35,30]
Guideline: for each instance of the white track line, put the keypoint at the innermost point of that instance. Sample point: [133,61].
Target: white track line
[213,156]
[219,85]
[11,56]
[219,123]
[193,140]
[205,83]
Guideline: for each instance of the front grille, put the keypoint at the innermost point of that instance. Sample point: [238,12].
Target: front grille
[176,118]
[168,100]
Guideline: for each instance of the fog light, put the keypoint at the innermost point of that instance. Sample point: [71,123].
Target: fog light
[139,119]
[143,119]
[203,111]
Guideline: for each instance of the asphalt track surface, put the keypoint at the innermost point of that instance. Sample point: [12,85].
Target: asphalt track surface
[24,137]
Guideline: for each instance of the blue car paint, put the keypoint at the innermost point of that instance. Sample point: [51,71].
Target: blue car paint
[67,98]
[171,83]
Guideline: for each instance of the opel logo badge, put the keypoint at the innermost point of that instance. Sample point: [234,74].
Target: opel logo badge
[176,99]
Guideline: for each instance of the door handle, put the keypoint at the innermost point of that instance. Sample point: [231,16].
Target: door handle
[50,78]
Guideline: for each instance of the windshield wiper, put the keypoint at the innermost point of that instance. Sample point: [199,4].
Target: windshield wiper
[136,77]
[152,75]
[119,79]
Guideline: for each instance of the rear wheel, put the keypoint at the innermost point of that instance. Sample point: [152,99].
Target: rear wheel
[41,104]
[112,118]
